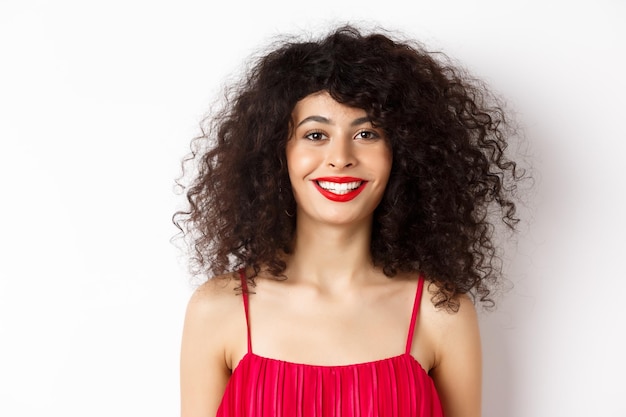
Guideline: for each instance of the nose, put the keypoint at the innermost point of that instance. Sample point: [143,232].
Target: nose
[341,154]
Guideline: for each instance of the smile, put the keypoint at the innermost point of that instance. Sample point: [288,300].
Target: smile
[340,189]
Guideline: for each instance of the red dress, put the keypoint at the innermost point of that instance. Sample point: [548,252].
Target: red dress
[392,387]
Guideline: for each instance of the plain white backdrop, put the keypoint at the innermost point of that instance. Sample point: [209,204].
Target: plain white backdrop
[98,103]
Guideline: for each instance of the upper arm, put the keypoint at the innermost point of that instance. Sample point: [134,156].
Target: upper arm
[203,367]
[458,370]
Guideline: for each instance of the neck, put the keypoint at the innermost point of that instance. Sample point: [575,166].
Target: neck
[331,257]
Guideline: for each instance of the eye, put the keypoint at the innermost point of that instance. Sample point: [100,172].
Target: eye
[367,135]
[315,136]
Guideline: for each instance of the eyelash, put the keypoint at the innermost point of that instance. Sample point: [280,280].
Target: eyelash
[315,132]
[372,135]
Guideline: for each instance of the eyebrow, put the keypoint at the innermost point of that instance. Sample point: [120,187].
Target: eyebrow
[325,120]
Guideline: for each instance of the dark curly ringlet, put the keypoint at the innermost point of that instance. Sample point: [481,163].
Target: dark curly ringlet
[448,136]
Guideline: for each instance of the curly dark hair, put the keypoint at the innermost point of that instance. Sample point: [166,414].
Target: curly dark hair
[447,132]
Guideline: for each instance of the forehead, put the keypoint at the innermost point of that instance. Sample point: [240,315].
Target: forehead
[322,104]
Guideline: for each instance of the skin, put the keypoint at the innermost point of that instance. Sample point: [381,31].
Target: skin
[295,319]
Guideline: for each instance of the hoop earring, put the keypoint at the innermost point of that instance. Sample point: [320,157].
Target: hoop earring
[289,214]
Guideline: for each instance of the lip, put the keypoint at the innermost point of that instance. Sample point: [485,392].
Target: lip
[340,198]
[340,180]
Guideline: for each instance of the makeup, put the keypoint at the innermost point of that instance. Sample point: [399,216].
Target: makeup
[340,189]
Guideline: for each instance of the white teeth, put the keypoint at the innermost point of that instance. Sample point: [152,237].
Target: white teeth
[340,188]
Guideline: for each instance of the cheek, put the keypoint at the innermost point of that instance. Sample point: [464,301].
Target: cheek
[299,162]
[386,158]
[381,161]
[384,164]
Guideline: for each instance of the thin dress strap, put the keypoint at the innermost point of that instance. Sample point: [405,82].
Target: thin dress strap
[416,307]
[244,290]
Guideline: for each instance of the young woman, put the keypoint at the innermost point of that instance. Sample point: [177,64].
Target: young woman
[341,205]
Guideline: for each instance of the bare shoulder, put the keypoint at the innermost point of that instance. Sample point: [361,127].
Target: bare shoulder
[215,296]
[444,320]
[215,309]
[457,364]
[213,328]
[446,329]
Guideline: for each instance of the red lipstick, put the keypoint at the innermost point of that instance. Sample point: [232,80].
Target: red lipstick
[329,188]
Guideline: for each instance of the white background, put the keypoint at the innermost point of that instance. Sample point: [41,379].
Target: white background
[98,102]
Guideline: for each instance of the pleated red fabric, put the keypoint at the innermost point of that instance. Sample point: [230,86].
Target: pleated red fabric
[396,386]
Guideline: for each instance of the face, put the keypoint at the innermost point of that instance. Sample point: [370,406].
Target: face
[338,163]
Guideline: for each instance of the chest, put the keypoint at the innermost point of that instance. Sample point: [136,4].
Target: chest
[322,331]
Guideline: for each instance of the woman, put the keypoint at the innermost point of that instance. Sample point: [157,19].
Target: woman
[342,205]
